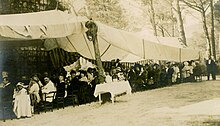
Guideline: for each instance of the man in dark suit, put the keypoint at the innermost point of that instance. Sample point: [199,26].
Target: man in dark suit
[211,68]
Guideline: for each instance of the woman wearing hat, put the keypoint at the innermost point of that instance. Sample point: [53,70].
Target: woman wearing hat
[35,88]
[22,104]
[186,71]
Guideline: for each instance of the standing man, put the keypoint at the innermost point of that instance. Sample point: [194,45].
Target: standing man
[6,97]
[211,68]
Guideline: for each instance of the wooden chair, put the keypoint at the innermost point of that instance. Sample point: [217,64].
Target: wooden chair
[198,78]
[35,104]
[49,105]
[197,74]
[60,101]
[73,98]
[187,79]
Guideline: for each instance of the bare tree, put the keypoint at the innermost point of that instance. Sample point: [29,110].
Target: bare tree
[151,10]
[161,17]
[153,17]
[165,19]
[201,6]
[180,22]
[212,29]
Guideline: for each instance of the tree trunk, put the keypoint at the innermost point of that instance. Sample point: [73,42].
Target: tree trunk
[212,30]
[205,28]
[152,18]
[98,61]
[180,24]
[173,21]
[162,32]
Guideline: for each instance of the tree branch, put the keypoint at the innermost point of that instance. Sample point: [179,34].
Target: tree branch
[161,27]
[171,5]
[193,6]
[207,7]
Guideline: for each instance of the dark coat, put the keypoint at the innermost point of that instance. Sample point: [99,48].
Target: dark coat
[74,86]
[60,89]
[211,66]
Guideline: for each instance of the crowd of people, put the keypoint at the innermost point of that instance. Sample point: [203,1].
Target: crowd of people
[28,93]
[153,75]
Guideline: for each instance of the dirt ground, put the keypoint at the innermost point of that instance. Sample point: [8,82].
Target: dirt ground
[188,104]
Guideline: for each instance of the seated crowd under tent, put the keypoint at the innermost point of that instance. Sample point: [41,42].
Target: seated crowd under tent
[40,92]
[77,87]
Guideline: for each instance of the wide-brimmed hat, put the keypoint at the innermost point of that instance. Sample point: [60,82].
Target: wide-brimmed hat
[20,84]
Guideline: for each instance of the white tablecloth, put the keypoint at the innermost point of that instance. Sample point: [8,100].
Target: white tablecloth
[114,88]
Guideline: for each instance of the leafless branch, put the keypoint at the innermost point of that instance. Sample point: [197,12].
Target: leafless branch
[171,5]
[162,28]
[194,6]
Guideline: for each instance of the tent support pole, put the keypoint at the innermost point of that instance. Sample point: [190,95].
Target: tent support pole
[92,36]
[180,55]
[180,66]
[98,61]
[144,48]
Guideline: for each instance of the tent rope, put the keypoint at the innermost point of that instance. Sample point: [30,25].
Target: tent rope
[70,43]
[144,49]
[106,50]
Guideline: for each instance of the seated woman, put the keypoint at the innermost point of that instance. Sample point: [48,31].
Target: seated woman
[22,104]
[85,89]
[61,89]
[197,71]
[114,75]
[34,91]
[73,84]
[83,76]
[108,78]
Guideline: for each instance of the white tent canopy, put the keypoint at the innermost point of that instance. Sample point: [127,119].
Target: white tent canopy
[130,58]
[170,41]
[66,31]
[38,25]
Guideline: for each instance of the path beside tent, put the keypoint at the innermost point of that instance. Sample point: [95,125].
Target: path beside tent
[183,105]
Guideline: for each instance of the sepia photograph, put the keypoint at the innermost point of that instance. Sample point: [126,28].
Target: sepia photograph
[109,63]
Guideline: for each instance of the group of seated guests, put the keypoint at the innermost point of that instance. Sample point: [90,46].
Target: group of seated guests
[83,82]
[32,92]
[153,75]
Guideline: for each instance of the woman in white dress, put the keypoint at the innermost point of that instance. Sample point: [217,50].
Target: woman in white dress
[186,71]
[22,104]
